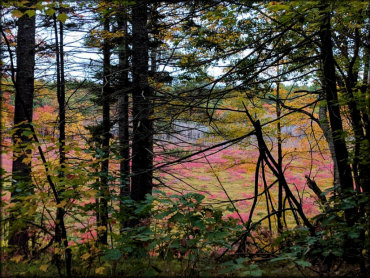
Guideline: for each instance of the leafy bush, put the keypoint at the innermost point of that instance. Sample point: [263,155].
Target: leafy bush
[180,229]
[338,239]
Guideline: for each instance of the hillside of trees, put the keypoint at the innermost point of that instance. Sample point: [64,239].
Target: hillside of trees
[184,138]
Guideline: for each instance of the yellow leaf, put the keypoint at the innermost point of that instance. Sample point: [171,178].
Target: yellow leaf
[44,91]
[31,13]
[9,206]
[100,270]
[44,267]
[17,13]
[62,204]
[101,228]
[26,160]
[91,193]
[17,259]
[85,256]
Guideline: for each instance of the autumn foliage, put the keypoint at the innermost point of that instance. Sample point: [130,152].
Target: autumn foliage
[179,138]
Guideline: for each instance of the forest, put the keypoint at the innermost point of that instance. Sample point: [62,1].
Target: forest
[184,138]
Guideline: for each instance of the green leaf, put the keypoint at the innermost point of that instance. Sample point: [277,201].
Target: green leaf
[50,12]
[303,263]
[353,234]
[127,249]
[38,6]
[31,13]
[62,17]
[253,273]
[230,208]
[112,254]
[253,270]
[157,191]
[337,252]
[198,197]
[164,214]
[27,133]
[174,245]
[149,273]
[178,217]
[279,259]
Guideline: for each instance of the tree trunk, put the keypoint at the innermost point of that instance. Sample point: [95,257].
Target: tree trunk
[330,90]
[280,157]
[365,88]
[278,173]
[123,130]
[103,238]
[60,230]
[365,91]
[360,165]
[324,125]
[142,145]
[21,172]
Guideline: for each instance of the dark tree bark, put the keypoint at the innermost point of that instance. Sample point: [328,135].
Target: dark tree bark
[123,120]
[1,141]
[278,172]
[330,90]
[280,158]
[103,237]
[360,169]
[365,88]
[142,145]
[21,172]
[61,115]
[366,100]
[325,127]
[60,230]
[314,187]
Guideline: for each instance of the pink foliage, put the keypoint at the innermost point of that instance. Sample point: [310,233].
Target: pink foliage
[309,207]
[245,195]
[6,197]
[217,160]
[193,165]
[204,178]
[89,235]
[235,215]
[42,110]
[243,203]
[240,170]
[213,196]
[6,163]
